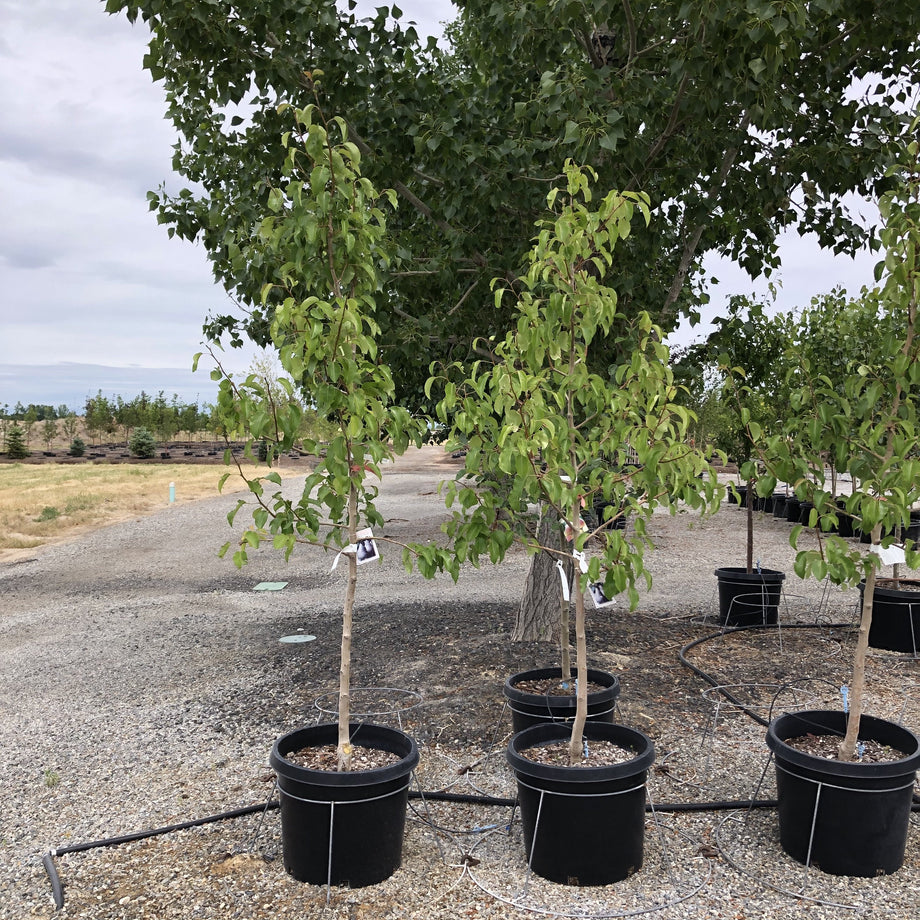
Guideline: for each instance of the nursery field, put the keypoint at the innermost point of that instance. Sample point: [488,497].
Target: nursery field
[143,683]
[43,503]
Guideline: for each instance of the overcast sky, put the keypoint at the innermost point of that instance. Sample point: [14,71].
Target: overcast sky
[93,293]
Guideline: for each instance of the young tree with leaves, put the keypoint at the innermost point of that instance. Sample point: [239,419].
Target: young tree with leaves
[747,337]
[869,428]
[539,414]
[323,240]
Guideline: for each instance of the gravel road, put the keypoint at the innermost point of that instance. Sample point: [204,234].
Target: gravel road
[142,683]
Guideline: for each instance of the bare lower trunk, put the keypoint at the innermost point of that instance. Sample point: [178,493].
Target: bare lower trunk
[538,617]
[750,526]
[343,750]
[581,696]
[564,641]
[847,748]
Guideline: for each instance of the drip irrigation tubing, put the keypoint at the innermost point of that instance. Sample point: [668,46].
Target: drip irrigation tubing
[915,807]
[462,798]
[57,888]
[48,859]
[735,629]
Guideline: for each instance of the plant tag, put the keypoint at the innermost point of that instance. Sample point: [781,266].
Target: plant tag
[581,560]
[566,593]
[365,550]
[890,555]
[597,595]
[367,546]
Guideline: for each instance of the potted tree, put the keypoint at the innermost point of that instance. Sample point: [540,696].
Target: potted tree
[840,807]
[344,785]
[750,339]
[547,694]
[538,412]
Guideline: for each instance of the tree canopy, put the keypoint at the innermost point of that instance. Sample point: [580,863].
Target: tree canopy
[739,119]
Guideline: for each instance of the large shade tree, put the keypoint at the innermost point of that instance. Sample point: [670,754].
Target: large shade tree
[739,119]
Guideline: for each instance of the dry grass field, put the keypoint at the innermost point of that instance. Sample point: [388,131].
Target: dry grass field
[49,502]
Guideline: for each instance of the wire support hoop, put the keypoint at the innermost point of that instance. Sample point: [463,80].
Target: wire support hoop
[501,871]
[370,703]
[748,844]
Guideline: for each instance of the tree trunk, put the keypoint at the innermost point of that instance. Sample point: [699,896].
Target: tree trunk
[581,695]
[343,749]
[538,617]
[750,526]
[847,748]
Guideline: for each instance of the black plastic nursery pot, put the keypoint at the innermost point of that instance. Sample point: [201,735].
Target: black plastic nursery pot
[779,505]
[844,521]
[895,616]
[793,509]
[529,709]
[583,825]
[617,519]
[845,818]
[910,532]
[343,828]
[749,598]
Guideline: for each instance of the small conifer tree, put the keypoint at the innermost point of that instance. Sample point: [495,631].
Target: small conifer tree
[15,444]
[142,444]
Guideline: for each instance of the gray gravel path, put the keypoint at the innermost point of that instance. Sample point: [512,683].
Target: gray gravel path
[136,668]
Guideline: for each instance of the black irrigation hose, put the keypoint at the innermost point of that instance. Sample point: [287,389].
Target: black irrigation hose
[57,889]
[730,697]
[463,798]
[48,859]
[723,632]
[456,797]
[672,807]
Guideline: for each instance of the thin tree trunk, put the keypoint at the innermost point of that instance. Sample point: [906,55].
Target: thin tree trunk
[581,657]
[343,750]
[847,748]
[565,653]
[750,526]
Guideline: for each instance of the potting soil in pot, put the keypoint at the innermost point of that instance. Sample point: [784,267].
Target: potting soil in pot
[325,757]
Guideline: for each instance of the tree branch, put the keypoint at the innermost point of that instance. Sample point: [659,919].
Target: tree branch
[631,31]
[693,241]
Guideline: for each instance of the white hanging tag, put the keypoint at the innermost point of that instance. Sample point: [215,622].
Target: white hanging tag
[365,549]
[581,560]
[890,555]
[565,582]
[344,551]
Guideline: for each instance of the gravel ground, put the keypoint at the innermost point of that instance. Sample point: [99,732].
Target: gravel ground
[142,683]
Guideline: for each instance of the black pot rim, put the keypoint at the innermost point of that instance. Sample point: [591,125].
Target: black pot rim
[610,683]
[364,734]
[593,731]
[895,593]
[740,573]
[789,724]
